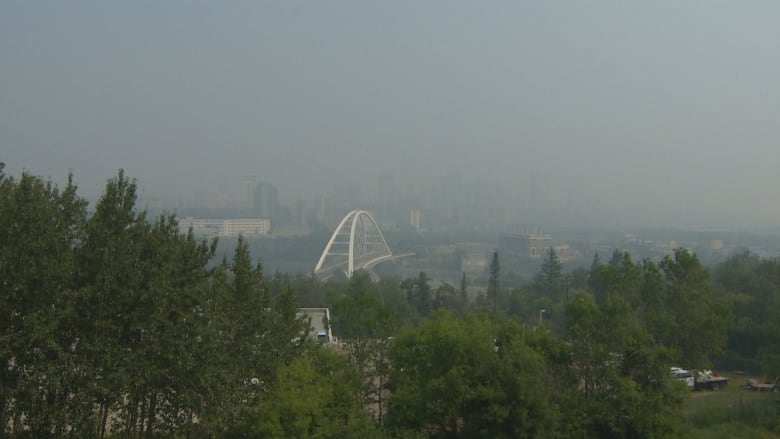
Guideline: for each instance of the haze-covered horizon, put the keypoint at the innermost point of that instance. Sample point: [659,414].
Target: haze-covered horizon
[664,113]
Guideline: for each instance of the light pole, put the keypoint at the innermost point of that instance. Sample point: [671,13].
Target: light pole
[541,312]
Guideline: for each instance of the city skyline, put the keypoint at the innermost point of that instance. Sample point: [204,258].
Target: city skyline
[661,114]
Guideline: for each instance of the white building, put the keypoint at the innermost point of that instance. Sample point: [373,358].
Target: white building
[210,228]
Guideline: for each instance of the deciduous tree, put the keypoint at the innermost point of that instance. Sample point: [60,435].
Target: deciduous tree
[39,379]
[472,377]
[418,293]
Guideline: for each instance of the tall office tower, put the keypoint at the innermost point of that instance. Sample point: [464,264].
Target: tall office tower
[247,192]
[266,201]
[414,219]
[299,213]
[386,199]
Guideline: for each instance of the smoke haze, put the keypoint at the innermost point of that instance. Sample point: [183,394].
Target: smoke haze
[662,113]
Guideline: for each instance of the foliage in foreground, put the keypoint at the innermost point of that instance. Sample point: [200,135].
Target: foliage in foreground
[311,397]
[483,377]
[110,323]
[114,324]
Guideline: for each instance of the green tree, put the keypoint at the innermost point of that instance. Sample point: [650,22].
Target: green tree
[446,296]
[494,281]
[39,374]
[472,377]
[114,304]
[253,333]
[418,293]
[595,282]
[141,308]
[700,319]
[754,285]
[621,277]
[312,397]
[364,325]
[577,279]
[625,390]
[114,322]
[549,281]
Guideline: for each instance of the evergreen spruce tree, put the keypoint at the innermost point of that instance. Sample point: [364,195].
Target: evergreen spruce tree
[493,282]
[550,279]
[463,292]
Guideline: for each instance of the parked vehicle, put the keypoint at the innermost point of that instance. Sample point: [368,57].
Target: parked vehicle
[684,375]
[705,379]
[699,379]
[761,386]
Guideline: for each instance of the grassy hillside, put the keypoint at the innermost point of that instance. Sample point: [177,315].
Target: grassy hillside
[733,412]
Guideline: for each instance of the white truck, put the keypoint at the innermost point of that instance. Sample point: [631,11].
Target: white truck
[699,379]
[684,375]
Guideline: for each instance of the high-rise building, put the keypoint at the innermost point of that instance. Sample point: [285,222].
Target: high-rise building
[247,192]
[414,219]
[299,213]
[387,202]
[266,201]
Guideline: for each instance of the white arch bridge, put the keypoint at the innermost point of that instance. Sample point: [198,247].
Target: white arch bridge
[357,243]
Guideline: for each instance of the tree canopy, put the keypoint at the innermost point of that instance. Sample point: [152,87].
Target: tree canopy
[115,324]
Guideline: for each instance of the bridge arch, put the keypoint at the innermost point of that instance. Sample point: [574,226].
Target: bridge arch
[356,243]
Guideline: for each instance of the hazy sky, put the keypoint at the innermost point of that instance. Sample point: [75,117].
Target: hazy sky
[666,112]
